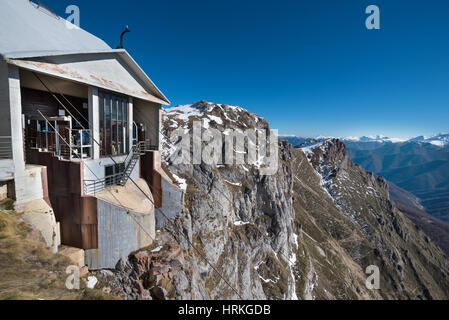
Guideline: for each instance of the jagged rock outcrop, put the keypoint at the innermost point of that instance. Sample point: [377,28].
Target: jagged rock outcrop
[373,231]
[307,232]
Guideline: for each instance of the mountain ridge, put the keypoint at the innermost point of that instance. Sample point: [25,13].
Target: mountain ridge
[307,232]
[418,167]
[439,140]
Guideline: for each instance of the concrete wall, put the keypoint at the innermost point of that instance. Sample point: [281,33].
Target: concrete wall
[103,66]
[32,186]
[36,207]
[94,169]
[6,170]
[42,218]
[172,203]
[158,154]
[149,114]
[119,234]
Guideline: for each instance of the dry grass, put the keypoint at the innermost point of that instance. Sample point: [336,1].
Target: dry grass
[29,271]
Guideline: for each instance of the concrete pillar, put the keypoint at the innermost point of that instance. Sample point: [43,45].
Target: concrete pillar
[130,122]
[15,121]
[5,123]
[6,165]
[157,154]
[94,120]
[11,111]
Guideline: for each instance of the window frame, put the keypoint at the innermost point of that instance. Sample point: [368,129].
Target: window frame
[115,133]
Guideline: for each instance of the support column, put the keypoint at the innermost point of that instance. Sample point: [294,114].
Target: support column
[94,120]
[15,117]
[6,163]
[130,122]
[157,154]
[15,109]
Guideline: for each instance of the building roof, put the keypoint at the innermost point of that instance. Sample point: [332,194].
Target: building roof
[31,31]
[93,78]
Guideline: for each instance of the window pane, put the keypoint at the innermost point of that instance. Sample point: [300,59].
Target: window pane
[109,171]
[108,125]
[120,109]
[125,111]
[101,107]
[114,108]
[114,122]
[114,138]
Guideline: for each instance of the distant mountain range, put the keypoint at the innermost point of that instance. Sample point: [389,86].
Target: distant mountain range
[419,165]
[368,142]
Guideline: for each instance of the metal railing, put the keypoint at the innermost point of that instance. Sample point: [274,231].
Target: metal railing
[78,146]
[81,144]
[5,148]
[95,186]
[139,148]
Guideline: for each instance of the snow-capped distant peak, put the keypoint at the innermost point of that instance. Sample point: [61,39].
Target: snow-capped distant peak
[355,139]
[378,138]
[439,140]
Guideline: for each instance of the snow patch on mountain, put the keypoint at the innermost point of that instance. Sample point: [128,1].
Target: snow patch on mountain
[185,112]
[378,138]
[439,140]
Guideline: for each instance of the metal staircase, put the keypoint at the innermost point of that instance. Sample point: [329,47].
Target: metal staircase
[121,178]
[131,160]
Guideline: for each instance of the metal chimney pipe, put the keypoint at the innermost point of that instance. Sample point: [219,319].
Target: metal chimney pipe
[121,37]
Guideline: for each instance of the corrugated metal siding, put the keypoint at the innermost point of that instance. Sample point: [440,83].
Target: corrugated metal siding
[118,235]
[172,203]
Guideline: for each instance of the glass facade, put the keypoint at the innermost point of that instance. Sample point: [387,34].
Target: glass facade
[113,124]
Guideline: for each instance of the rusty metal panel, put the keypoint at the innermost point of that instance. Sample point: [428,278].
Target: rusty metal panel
[46,197]
[157,189]
[89,236]
[77,214]
[152,177]
[89,210]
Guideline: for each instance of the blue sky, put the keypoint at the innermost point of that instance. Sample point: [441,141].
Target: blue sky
[309,67]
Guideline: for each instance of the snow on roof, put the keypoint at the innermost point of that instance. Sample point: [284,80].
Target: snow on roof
[29,30]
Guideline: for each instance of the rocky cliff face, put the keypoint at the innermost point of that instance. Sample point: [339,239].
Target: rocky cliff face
[371,230]
[307,232]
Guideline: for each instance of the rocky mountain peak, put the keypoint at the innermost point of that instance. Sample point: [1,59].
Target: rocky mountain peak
[332,151]
[219,116]
[307,232]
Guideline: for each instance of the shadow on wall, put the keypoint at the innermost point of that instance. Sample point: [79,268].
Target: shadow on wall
[172,203]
